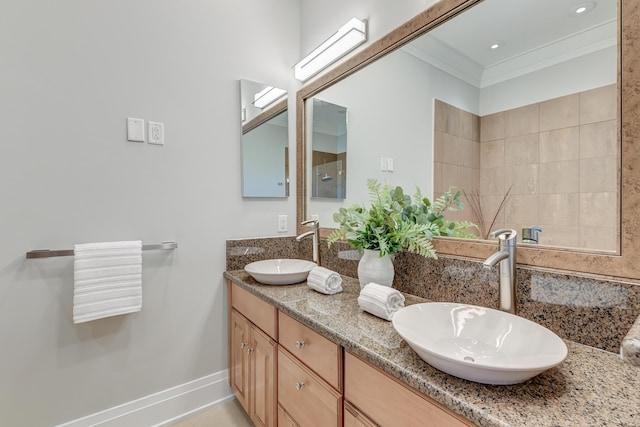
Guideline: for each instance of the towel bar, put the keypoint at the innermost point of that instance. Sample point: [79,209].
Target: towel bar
[48,253]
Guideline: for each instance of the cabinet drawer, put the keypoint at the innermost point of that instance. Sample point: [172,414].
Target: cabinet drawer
[387,402]
[318,353]
[305,396]
[284,420]
[260,313]
[354,418]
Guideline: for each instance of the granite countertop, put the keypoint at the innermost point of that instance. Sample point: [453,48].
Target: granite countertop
[591,387]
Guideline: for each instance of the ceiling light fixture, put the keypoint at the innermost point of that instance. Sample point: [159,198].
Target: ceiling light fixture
[496,45]
[582,8]
[267,96]
[347,38]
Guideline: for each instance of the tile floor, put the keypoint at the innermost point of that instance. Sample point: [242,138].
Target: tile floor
[228,414]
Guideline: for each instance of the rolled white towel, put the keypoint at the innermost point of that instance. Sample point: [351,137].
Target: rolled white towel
[324,281]
[381,301]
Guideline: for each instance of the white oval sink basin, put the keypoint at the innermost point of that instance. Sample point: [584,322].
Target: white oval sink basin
[477,343]
[280,271]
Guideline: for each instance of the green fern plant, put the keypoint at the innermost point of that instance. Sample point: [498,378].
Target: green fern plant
[395,221]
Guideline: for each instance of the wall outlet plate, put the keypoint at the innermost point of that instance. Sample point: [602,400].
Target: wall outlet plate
[156,133]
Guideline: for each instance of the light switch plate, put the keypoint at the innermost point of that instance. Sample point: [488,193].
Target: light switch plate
[135,129]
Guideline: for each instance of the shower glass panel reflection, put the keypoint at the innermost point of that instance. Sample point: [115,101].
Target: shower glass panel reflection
[329,180]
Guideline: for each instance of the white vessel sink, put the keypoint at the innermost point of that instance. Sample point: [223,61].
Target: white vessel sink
[280,271]
[478,343]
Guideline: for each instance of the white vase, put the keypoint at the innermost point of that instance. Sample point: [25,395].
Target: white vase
[374,268]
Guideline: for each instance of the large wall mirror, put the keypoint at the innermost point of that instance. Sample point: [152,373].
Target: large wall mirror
[542,120]
[265,140]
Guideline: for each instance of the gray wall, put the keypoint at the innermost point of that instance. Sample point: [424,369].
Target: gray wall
[71,72]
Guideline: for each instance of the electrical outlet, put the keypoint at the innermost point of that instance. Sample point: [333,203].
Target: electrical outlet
[156,133]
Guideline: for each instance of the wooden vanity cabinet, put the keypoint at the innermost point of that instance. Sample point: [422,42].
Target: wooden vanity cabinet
[253,355]
[379,399]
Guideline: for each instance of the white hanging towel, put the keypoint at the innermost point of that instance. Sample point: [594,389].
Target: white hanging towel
[107,279]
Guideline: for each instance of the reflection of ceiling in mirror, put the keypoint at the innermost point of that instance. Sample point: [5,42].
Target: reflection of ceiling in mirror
[328,118]
[532,34]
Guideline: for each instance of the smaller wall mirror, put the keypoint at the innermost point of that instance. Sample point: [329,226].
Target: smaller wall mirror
[265,140]
[328,150]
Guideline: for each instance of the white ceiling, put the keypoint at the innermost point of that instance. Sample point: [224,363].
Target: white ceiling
[535,33]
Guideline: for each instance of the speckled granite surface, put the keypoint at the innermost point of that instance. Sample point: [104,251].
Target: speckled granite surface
[591,311]
[590,388]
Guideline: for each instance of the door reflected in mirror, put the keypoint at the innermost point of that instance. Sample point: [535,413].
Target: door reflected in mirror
[265,140]
[328,150]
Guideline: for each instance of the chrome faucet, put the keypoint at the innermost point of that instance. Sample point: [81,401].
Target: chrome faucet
[315,232]
[506,256]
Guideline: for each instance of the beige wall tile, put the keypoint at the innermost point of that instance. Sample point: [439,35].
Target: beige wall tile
[598,105]
[437,177]
[451,120]
[465,152]
[560,112]
[492,154]
[560,144]
[598,210]
[559,236]
[469,126]
[449,176]
[601,238]
[521,150]
[559,177]
[521,121]
[439,114]
[468,179]
[490,206]
[475,155]
[449,149]
[522,210]
[598,139]
[492,182]
[492,127]
[598,174]
[560,209]
[522,179]
[438,142]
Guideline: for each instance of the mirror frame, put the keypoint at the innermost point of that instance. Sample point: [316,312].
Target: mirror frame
[621,265]
[265,116]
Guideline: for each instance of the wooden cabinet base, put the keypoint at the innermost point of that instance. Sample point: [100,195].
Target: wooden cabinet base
[387,402]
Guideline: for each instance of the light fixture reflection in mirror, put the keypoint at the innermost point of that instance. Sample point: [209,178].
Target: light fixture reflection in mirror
[531,122]
[265,141]
[328,150]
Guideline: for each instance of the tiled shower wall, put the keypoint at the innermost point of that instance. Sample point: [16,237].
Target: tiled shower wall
[559,157]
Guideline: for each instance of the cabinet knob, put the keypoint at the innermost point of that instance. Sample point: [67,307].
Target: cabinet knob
[243,344]
[299,386]
[299,344]
[249,350]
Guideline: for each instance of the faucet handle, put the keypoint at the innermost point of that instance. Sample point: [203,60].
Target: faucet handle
[512,233]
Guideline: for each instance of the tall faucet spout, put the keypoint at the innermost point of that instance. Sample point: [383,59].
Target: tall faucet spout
[491,262]
[315,232]
[506,257]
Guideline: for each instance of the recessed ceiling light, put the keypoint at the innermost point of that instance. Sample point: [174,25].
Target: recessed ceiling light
[496,45]
[582,8]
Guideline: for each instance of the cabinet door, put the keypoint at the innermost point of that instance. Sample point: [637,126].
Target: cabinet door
[262,362]
[238,364]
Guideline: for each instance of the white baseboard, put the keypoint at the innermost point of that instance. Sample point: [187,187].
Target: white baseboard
[161,408]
